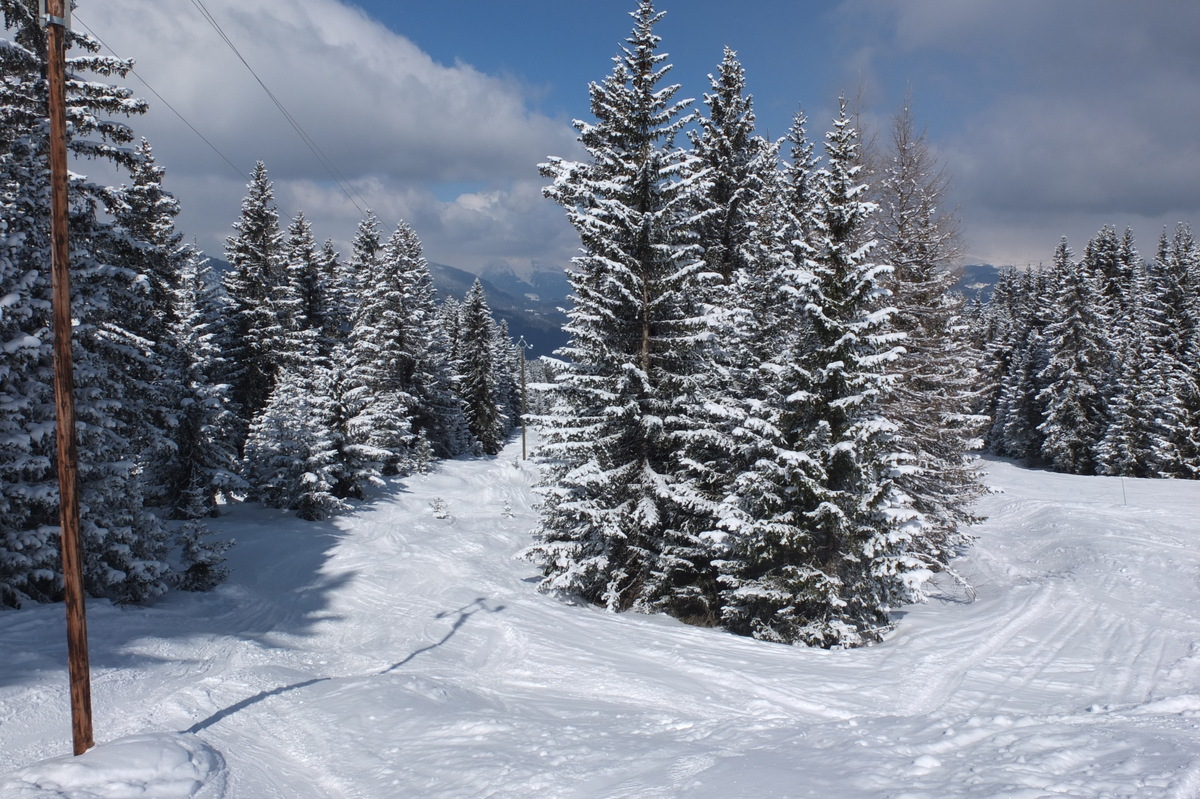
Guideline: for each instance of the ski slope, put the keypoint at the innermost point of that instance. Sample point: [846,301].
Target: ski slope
[402,651]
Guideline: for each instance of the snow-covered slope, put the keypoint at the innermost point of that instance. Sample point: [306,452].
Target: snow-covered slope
[401,651]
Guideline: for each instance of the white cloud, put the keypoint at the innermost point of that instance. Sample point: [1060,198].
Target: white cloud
[1062,116]
[393,122]
[513,224]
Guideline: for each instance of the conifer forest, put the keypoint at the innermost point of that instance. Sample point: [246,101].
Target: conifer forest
[767,419]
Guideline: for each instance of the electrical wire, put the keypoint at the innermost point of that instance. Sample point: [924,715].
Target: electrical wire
[163,100]
[341,182]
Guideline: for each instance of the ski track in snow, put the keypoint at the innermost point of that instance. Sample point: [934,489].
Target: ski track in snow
[402,651]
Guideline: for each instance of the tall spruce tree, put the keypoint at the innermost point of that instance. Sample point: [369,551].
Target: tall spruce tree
[1175,293]
[438,413]
[29,555]
[291,453]
[932,402]
[381,362]
[1075,378]
[1111,261]
[255,253]
[1019,406]
[149,244]
[481,390]
[621,526]
[734,220]
[827,550]
[508,372]
[203,467]
[737,163]
[1140,407]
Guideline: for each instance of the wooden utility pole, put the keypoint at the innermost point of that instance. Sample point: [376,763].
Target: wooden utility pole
[64,382]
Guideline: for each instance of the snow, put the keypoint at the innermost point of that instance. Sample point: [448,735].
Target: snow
[21,342]
[391,652]
[159,765]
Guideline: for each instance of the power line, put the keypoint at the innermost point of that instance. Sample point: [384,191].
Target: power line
[342,183]
[163,100]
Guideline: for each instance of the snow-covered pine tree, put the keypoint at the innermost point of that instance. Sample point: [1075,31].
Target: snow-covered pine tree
[306,274]
[770,587]
[620,526]
[167,392]
[779,249]
[338,296]
[736,196]
[1111,263]
[124,544]
[802,192]
[204,464]
[1175,294]
[256,255]
[449,318]
[932,402]
[508,376]
[1141,409]
[300,304]
[1019,407]
[437,410]
[29,554]
[291,453]
[380,360]
[1075,378]
[482,395]
[829,550]
[148,244]
[202,560]
[356,463]
[991,333]
[365,249]
[737,162]
[145,213]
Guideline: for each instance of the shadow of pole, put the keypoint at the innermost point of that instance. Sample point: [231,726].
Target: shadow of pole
[462,614]
[247,702]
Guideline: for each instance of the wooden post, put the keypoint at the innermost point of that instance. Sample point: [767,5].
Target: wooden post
[524,406]
[522,345]
[64,384]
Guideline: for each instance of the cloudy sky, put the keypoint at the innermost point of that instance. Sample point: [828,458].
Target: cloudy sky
[1054,117]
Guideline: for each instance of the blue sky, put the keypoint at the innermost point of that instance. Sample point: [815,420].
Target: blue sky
[795,52]
[1054,117]
[557,48]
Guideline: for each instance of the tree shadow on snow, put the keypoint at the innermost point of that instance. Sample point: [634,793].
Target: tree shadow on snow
[277,586]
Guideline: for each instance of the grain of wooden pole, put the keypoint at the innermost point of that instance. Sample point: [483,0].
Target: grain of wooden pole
[64,386]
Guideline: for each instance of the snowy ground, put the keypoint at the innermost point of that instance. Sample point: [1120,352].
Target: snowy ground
[394,653]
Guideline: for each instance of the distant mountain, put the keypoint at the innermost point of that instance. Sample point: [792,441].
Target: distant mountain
[531,307]
[218,265]
[977,281]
